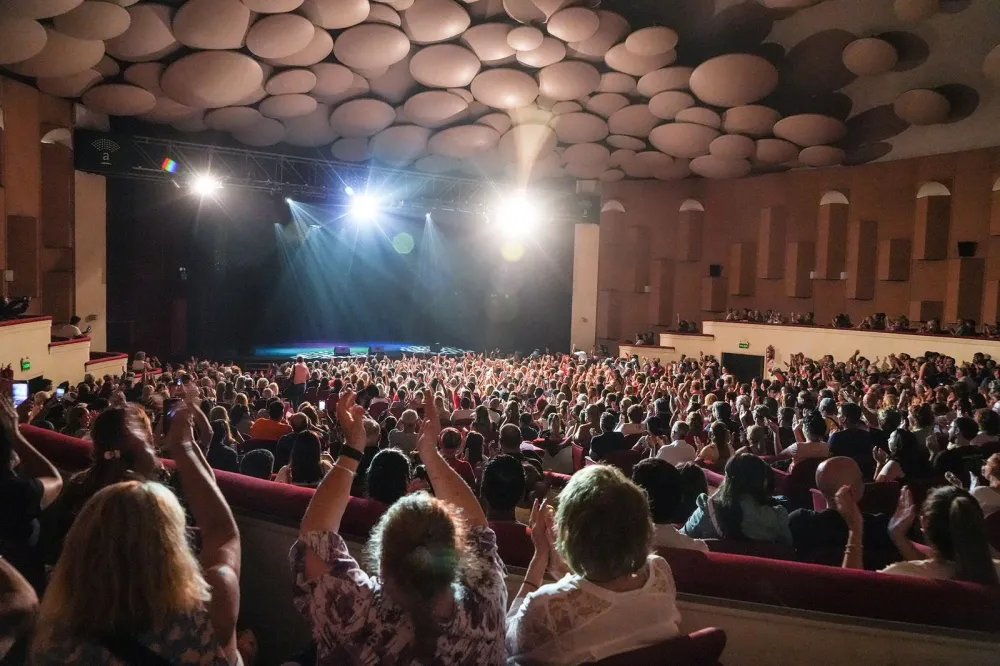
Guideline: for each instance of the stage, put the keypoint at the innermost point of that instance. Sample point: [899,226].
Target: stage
[325,350]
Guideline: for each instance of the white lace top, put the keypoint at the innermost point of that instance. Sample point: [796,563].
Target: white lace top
[573,620]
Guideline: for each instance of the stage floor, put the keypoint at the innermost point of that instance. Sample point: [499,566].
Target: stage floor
[324,350]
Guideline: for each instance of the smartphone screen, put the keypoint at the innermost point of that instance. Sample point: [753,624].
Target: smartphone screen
[20,392]
[60,392]
[322,405]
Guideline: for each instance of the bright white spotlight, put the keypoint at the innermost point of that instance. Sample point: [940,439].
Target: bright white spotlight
[349,190]
[205,185]
[364,207]
[517,216]
[288,200]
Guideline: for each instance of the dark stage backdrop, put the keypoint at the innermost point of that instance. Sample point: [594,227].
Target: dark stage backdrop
[211,277]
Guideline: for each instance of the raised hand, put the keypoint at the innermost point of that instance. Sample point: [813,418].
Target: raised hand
[351,417]
[906,513]
[847,507]
[430,431]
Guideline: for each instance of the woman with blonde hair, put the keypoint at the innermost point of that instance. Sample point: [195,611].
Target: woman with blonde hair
[128,588]
[612,594]
[439,594]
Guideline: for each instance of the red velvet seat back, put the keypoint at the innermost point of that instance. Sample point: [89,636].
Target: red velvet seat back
[773,551]
[577,457]
[63,451]
[795,485]
[702,648]
[833,590]
[623,460]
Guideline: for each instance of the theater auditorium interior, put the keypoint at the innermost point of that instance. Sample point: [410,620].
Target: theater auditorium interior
[354,331]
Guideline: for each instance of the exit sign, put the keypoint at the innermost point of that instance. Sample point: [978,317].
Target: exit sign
[25,365]
[744,345]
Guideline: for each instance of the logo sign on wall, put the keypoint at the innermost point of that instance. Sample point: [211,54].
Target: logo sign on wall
[100,152]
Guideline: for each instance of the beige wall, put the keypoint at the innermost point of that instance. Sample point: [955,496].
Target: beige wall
[91,256]
[778,217]
[719,337]
[583,330]
[30,340]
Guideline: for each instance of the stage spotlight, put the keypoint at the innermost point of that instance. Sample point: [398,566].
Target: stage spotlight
[364,207]
[517,216]
[288,201]
[205,185]
[349,190]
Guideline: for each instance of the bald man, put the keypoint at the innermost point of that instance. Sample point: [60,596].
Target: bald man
[820,536]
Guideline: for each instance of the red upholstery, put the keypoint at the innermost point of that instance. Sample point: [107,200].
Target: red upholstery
[462,423]
[377,408]
[623,460]
[555,479]
[834,590]
[513,541]
[882,497]
[577,457]
[993,529]
[773,551]
[702,648]
[714,479]
[63,451]
[632,440]
[311,396]
[795,485]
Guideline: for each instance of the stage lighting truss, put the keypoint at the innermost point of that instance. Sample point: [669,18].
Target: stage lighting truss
[304,177]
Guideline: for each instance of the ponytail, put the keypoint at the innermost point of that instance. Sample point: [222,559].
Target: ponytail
[973,563]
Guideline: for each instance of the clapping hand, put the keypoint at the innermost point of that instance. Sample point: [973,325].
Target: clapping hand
[847,507]
[351,417]
[906,514]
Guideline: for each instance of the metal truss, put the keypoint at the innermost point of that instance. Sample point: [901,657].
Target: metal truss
[293,176]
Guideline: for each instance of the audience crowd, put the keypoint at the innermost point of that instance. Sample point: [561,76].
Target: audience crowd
[459,450]
[875,322]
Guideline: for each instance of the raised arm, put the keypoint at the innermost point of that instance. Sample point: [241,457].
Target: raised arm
[447,483]
[900,524]
[328,504]
[847,506]
[33,463]
[220,539]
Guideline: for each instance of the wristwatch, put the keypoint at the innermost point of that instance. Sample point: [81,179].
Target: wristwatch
[351,453]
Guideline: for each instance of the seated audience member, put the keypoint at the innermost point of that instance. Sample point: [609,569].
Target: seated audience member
[953,526]
[654,438]
[485,423]
[272,428]
[634,424]
[388,476]
[718,450]
[743,508]
[510,443]
[221,452]
[557,448]
[528,431]
[989,427]
[904,462]
[678,451]
[181,608]
[18,609]
[474,445]
[853,441]
[821,536]
[29,483]
[962,432]
[662,483]
[258,463]
[609,440]
[307,466]
[239,416]
[987,495]
[70,331]
[299,422]
[503,488]
[465,412]
[786,430]
[614,596]
[439,594]
[77,422]
[814,446]
[404,437]
[589,427]
[693,485]
[451,444]
[535,487]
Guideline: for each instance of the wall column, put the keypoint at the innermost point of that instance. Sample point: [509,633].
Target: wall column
[90,249]
[586,247]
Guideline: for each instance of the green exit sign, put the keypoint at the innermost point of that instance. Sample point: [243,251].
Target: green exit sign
[744,345]
[25,365]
